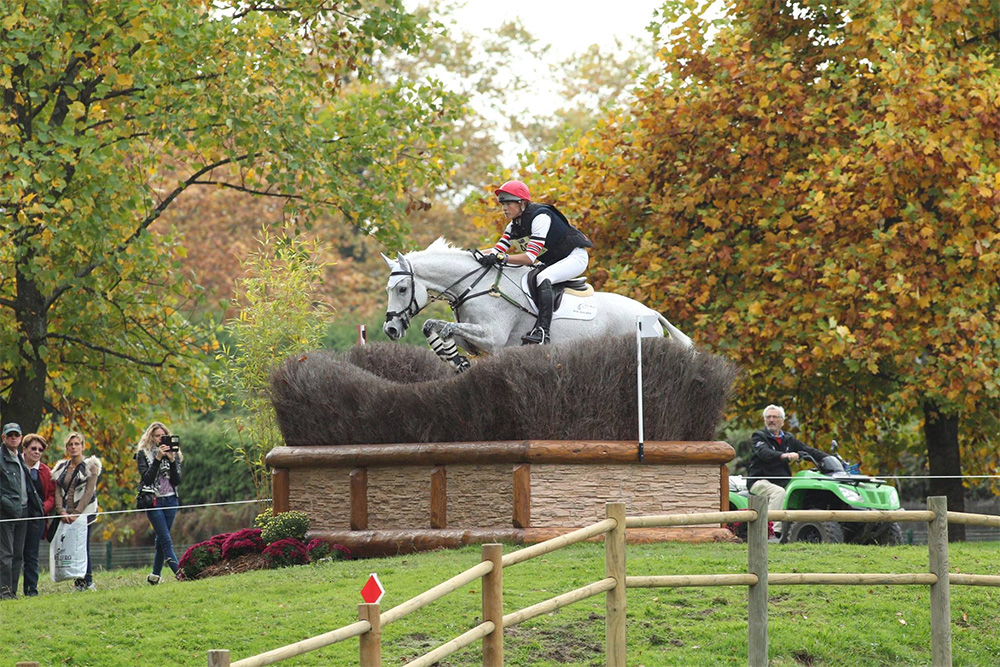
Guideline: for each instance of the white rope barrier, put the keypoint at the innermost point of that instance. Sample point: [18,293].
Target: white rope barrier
[134,511]
[890,476]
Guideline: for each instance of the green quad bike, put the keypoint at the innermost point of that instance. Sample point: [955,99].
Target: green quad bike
[829,487]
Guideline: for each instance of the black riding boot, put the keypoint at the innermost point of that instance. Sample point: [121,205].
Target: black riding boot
[540,334]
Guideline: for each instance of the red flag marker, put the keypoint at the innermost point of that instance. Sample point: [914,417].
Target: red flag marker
[372,591]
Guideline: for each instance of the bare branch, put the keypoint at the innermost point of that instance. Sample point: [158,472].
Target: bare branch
[110,352]
[142,226]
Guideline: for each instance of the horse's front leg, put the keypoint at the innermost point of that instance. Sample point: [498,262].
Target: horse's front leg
[441,337]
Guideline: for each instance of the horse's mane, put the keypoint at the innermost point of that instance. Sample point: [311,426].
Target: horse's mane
[441,250]
[440,246]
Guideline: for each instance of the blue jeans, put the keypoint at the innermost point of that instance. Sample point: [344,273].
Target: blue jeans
[162,520]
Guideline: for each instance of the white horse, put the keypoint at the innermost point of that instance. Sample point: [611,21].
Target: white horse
[491,305]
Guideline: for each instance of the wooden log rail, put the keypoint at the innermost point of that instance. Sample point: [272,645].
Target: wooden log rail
[615,582]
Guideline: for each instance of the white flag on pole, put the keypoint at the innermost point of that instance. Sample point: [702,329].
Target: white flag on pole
[647,326]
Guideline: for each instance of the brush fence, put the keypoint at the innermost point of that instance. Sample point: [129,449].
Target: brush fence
[402,498]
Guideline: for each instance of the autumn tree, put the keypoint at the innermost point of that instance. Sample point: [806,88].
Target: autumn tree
[111,112]
[811,188]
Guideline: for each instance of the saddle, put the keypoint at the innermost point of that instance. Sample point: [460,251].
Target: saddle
[576,287]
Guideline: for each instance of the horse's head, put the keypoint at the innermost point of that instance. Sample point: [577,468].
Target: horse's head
[407,297]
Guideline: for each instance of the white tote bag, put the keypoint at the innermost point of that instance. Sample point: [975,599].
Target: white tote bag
[68,550]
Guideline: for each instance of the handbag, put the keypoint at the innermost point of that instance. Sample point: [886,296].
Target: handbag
[145,499]
[68,553]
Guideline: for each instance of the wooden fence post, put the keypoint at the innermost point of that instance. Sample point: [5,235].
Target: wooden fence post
[279,490]
[614,566]
[522,495]
[439,497]
[937,545]
[359,499]
[757,603]
[371,641]
[493,606]
[218,658]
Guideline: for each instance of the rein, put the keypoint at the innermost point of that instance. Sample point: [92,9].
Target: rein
[454,301]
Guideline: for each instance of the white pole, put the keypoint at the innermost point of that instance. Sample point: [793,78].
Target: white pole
[638,347]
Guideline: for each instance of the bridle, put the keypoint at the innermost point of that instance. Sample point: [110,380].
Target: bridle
[454,301]
[412,308]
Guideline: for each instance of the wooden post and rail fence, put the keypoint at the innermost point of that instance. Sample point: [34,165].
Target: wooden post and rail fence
[758,578]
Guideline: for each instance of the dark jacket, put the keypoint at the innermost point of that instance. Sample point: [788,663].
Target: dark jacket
[150,471]
[12,466]
[766,462]
[562,238]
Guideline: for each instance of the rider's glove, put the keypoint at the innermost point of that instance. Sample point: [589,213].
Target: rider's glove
[488,259]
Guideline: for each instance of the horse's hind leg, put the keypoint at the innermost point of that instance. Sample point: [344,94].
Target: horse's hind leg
[444,346]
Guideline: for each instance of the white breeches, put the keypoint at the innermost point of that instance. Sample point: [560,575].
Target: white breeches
[565,269]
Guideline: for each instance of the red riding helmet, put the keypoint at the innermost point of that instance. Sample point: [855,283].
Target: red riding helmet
[513,191]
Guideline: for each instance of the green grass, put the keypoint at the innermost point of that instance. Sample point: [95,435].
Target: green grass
[127,622]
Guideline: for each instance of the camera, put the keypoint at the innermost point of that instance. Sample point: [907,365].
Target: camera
[172,441]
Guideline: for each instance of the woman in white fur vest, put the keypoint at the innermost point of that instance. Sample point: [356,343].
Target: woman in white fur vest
[76,494]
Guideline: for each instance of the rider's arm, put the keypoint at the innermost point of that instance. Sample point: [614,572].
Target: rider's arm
[503,245]
[763,449]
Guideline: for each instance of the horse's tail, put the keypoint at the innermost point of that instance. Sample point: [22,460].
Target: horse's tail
[675,333]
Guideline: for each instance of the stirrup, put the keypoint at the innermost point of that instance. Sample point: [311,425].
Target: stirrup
[537,336]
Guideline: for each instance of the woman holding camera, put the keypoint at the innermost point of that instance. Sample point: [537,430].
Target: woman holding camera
[159,458]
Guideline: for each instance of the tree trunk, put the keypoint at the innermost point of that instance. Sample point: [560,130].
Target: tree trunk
[26,404]
[945,459]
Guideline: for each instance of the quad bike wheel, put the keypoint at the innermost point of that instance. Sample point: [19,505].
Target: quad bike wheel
[827,532]
[891,536]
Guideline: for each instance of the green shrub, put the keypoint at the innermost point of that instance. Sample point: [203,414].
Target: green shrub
[278,527]
[263,518]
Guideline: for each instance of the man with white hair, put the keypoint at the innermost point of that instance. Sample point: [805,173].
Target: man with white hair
[773,450]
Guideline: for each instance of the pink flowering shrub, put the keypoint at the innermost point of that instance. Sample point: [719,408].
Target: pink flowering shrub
[198,557]
[286,551]
[219,539]
[246,541]
[319,549]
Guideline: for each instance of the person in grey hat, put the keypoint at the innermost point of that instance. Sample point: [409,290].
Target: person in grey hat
[18,498]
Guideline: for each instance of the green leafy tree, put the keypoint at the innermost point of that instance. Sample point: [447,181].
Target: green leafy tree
[278,317]
[110,112]
[812,188]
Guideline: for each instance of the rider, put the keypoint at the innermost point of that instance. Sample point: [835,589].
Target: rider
[773,449]
[548,231]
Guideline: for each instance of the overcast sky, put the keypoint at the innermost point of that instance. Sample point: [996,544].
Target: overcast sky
[570,26]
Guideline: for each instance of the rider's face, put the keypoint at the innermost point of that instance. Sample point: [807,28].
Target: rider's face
[511,209]
[773,421]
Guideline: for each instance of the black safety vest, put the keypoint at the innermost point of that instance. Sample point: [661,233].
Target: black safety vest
[562,238]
